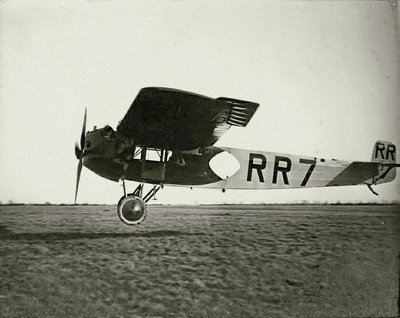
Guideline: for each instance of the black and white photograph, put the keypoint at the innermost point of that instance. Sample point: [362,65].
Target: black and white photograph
[187,158]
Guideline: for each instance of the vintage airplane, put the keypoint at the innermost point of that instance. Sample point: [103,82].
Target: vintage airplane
[167,137]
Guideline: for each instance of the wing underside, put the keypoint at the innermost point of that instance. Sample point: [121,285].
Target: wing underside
[174,119]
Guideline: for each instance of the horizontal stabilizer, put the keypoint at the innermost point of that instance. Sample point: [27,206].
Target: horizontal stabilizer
[364,172]
[355,173]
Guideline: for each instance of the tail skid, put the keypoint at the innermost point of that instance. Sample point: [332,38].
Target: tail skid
[372,190]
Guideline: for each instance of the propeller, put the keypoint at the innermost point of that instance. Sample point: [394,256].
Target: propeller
[79,153]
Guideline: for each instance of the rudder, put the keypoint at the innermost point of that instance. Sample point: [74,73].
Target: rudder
[384,152]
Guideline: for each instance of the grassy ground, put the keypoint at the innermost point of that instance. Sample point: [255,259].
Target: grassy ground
[224,261]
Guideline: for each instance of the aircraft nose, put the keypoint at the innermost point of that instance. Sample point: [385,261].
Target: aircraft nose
[94,144]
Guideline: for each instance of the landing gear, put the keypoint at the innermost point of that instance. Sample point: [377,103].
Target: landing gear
[132,208]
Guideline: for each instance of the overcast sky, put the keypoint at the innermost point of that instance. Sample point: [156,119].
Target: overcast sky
[325,75]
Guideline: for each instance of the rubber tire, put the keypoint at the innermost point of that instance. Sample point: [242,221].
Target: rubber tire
[132,210]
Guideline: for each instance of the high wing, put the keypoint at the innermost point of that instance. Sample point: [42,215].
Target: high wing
[174,119]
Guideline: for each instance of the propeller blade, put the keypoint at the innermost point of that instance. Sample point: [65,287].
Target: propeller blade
[78,176]
[79,154]
[83,132]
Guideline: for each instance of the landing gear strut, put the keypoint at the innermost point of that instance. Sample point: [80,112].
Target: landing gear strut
[132,207]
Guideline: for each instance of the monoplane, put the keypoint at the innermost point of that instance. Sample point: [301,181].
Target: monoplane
[167,137]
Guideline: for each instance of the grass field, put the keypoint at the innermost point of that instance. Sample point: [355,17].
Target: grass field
[200,261]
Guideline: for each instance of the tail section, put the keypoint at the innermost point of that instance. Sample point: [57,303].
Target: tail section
[384,152]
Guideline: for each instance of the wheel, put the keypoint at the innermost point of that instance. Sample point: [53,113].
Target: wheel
[131,210]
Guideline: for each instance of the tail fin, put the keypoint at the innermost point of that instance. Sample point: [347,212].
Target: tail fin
[384,152]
